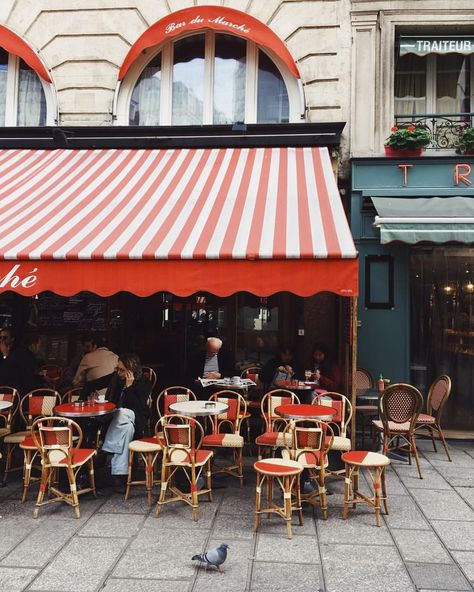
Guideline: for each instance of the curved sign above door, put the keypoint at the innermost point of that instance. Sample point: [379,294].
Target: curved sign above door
[217,18]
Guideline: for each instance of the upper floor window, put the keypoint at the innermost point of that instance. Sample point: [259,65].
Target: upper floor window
[22,96]
[433,84]
[209,78]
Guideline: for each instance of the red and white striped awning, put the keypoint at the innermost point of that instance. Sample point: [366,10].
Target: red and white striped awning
[91,214]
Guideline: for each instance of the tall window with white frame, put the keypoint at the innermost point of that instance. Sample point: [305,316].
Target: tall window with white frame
[22,97]
[209,78]
[433,83]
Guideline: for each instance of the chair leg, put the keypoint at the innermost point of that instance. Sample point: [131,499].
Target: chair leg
[194,493]
[73,488]
[287,503]
[347,491]
[148,476]
[8,462]
[322,494]
[92,476]
[45,477]
[384,490]
[415,452]
[431,430]
[258,500]
[377,495]
[443,440]
[27,456]
[129,477]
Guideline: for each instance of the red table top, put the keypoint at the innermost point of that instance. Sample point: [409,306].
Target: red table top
[85,410]
[306,411]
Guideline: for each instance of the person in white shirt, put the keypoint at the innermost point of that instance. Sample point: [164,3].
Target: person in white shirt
[97,363]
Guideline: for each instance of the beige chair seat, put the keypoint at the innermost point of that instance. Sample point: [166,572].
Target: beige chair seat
[341,443]
[17,437]
[145,445]
[393,426]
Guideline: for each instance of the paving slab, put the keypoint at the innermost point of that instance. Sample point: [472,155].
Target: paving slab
[467,493]
[112,525]
[420,545]
[432,479]
[444,504]
[236,569]
[465,560]
[359,529]
[404,513]
[81,566]
[15,579]
[284,577]
[180,516]
[457,536]
[430,575]
[128,585]
[299,549]
[362,568]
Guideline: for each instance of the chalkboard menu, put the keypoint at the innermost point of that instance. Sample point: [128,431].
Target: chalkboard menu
[83,312]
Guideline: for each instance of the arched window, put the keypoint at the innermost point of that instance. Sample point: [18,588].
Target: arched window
[208,78]
[22,95]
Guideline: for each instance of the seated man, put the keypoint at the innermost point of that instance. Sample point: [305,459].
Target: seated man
[99,362]
[212,362]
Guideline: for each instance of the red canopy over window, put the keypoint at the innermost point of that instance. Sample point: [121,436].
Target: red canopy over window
[14,44]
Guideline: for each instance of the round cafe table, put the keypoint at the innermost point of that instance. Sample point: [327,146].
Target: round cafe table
[4,405]
[198,408]
[81,409]
[306,412]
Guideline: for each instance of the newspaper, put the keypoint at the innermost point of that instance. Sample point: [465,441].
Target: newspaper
[226,383]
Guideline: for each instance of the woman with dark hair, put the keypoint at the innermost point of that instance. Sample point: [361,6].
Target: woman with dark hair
[326,371]
[129,390]
[282,366]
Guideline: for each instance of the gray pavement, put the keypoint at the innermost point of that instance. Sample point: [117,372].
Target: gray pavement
[426,542]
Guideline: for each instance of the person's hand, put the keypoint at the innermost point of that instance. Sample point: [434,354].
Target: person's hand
[212,375]
[128,375]
[4,348]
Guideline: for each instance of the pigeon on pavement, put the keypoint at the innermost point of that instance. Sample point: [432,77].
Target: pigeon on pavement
[214,557]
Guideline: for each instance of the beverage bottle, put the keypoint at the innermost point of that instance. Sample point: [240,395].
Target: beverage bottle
[380,384]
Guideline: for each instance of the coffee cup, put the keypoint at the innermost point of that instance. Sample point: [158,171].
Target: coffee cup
[101,398]
[235,379]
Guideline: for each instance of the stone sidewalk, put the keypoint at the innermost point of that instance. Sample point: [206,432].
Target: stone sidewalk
[426,542]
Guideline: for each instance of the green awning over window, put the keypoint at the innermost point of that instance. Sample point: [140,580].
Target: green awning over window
[425,219]
[422,46]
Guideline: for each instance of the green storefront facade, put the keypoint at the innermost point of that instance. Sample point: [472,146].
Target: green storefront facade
[413,224]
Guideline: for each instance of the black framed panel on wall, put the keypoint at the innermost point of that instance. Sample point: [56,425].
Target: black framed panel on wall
[379,288]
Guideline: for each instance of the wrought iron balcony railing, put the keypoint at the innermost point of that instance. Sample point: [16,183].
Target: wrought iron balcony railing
[445,128]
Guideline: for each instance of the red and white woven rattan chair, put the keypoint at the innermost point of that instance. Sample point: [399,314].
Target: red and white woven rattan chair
[226,432]
[310,441]
[273,438]
[253,401]
[364,380]
[149,449]
[430,422]
[286,473]
[37,403]
[340,423]
[400,405]
[7,416]
[58,441]
[182,452]
[150,375]
[170,395]
[354,461]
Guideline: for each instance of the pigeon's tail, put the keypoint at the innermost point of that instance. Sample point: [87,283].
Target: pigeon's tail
[198,558]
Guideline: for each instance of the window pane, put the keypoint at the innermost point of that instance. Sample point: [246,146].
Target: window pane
[229,79]
[410,85]
[3,84]
[31,109]
[452,83]
[188,81]
[273,106]
[145,103]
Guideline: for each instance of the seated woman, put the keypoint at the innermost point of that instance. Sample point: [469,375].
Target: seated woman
[326,371]
[129,390]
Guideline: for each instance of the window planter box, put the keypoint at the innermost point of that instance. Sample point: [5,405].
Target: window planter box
[394,153]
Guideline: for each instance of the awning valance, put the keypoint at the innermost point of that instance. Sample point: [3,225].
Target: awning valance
[432,219]
[180,220]
[422,46]
[217,18]
[14,44]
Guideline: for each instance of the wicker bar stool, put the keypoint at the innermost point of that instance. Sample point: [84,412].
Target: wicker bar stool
[354,461]
[148,449]
[286,472]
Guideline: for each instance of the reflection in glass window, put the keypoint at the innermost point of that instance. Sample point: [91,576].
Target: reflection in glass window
[188,81]
[273,105]
[229,79]
[3,84]
[410,85]
[145,103]
[452,83]
[22,97]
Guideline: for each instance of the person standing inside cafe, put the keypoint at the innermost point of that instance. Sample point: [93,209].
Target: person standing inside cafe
[99,362]
[129,389]
[211,362]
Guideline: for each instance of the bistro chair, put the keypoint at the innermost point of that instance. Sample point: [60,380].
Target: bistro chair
[182,452]
[364,380]
[362,459]
[340,423]
[253,402]
[7,417]
[150,375]
[58,441]
[286,473]
[308,442]
[226,432]
[72,395]
[430,422]
[400,405]
[272,438]
[170,395]
[149,449]
[37,403]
